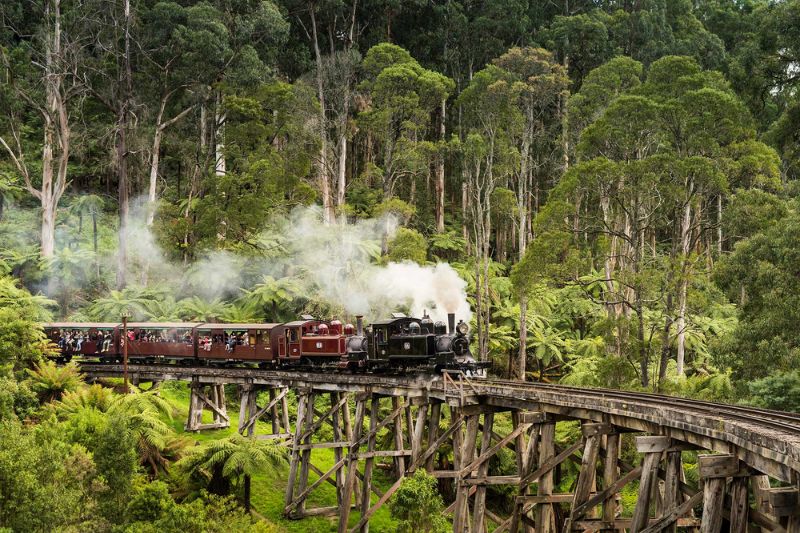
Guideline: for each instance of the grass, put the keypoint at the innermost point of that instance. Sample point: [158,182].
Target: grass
[268,489]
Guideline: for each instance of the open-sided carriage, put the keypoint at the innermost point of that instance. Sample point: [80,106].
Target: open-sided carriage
[235,343]
[88,339]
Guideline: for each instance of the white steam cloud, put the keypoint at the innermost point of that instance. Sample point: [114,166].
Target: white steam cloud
[337,263]
[340,259]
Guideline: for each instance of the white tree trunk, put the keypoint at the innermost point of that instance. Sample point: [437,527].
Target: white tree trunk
[684,284]
[219,138]
[154,160]
[439,185]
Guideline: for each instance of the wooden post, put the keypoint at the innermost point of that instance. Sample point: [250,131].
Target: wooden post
[544,515]
[528,461]
[295,456]
[740,504]
[433,432]
[418,430]
[366,489]
[337,452]
[276,423]
[652,447]
[352,464]
[461,510]
[478,525]
[714,469]
[611,474]
[285,413]
[586,477]
[399,461]
[672,481]
[458,438]
[244,402]
[302,483]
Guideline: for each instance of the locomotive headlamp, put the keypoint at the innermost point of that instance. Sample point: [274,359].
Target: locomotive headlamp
[462,328]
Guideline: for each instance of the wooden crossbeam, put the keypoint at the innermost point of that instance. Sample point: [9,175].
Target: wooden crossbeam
[488,454]
[442,438]
[382,424]
[254,417]
[383,499]
[303,495]
[212,405]
[322,418]
[320,445]
[602,496]
[551,464]
[673,514]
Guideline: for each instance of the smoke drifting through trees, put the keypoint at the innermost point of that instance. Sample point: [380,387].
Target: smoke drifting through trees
[336,264]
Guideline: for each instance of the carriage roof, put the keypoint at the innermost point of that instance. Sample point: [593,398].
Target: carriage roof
[81,325]
[163,325]
[235,326]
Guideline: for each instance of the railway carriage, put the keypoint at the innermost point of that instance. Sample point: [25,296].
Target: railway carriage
[151,341]
[311,341]
[95,339]
[236,343]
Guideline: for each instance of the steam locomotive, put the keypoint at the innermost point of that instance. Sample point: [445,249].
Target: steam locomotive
[398,343]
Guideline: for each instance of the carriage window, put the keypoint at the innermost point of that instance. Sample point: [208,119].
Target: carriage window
[292,335]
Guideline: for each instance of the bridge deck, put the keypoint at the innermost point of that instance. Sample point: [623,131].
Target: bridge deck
[767,441]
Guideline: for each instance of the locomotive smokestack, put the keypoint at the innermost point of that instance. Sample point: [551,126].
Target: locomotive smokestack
[360,325]
[451,323]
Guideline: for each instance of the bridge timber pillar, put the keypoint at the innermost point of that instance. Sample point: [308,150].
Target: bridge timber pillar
[276,410]
[209,396]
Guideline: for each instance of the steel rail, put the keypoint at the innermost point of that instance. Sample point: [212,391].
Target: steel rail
[777,419]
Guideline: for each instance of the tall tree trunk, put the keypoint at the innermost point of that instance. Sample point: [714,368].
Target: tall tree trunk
[126,87]
[161,126]
[122,173]
[719,223]
[154,160]
[194,182]
[247,494]
[94,243]
[220,164]
[439,185]
[684,281]
[328,213]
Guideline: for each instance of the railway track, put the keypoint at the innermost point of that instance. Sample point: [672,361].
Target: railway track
[777,420]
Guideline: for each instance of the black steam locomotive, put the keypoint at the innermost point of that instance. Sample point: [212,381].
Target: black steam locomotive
[406,342]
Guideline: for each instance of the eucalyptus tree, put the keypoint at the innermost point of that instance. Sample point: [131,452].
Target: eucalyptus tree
[541,84]
[657,161]
[488,158]
[40,87]
[332,30]
[401,96]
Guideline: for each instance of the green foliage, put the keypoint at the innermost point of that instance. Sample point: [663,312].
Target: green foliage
[418,505]
[780,390]
[50,381]
[408,245]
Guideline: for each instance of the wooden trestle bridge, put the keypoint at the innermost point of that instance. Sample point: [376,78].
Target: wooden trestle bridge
[698,466]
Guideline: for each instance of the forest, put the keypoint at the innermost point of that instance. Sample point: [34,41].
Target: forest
[609,188]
